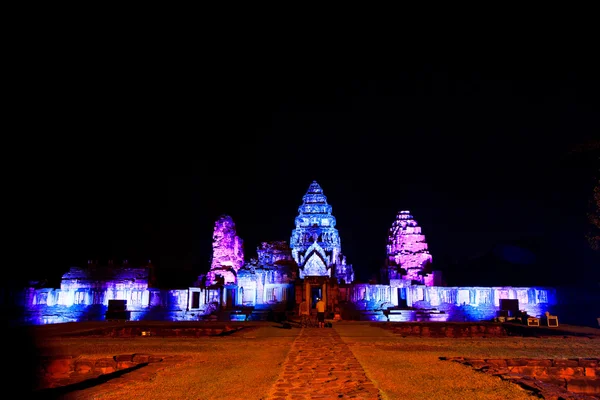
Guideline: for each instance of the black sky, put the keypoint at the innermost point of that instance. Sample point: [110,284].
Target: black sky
[480,154]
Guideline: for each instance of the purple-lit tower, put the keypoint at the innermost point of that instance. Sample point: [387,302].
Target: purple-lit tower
[315,242]
[228,252]
[407,254]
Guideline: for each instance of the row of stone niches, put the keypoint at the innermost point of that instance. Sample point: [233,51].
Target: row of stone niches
[577,378]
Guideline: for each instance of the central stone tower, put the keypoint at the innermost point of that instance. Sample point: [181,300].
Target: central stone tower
[315,242]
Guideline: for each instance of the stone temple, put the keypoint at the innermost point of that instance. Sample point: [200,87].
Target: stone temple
[274,282]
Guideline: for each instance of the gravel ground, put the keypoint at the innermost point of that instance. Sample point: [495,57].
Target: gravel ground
[249,363]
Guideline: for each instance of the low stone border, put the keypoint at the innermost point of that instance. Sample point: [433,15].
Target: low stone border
[166,331]
[577,378]
[476,329]
[57,371]
[451,330]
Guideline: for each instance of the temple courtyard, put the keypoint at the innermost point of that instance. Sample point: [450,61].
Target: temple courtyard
[271,360]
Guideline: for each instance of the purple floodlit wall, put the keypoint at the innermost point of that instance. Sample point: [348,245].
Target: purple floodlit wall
[262,286]
[228,252]
[75,302]
[422,303]
[268,279]
[407,254]
[446,303]
[46,306]
[481,303]
[315,242]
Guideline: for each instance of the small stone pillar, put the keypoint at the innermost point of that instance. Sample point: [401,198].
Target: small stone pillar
[307,294]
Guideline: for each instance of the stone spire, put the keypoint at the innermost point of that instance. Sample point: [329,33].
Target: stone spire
[406,249]
[228,252]
[315,243]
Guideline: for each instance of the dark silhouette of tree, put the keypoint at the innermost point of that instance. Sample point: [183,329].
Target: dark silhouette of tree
[594,217]
[583,150]
[427,269]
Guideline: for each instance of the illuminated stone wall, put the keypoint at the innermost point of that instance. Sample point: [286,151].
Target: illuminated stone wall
[480,303]
[85,292]
[457,304]
[48,306]
[102,277]
[269,278]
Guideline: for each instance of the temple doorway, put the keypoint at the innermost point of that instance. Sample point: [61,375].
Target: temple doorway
[402,297]
[230,297]
[315,293]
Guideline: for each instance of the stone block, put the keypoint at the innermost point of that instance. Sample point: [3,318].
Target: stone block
[584,385]
[474,362]
[529,370]
[125,365]
[563,362]
[105,365]
[513,362]
[566,372]
[58,366]
[105,370]
[553,380]
[540,362]
[84,366]
[588,362]
[496,362]
[123,357]
[141,358]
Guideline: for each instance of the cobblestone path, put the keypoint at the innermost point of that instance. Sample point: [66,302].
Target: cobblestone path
[321,366]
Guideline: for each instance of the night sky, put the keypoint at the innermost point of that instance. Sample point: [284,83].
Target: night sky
[482,156]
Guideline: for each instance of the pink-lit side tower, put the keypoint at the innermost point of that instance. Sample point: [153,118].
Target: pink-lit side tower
[228,252]
[407,254]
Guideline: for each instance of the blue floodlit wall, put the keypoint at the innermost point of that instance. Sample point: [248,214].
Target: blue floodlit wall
[49,306]
[46,306]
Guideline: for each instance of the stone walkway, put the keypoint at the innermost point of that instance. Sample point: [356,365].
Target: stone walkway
[321,366]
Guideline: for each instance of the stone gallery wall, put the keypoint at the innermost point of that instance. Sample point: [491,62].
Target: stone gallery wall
[43,306]
[48,306]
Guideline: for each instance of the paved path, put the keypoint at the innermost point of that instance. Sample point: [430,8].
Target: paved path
[321,366]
